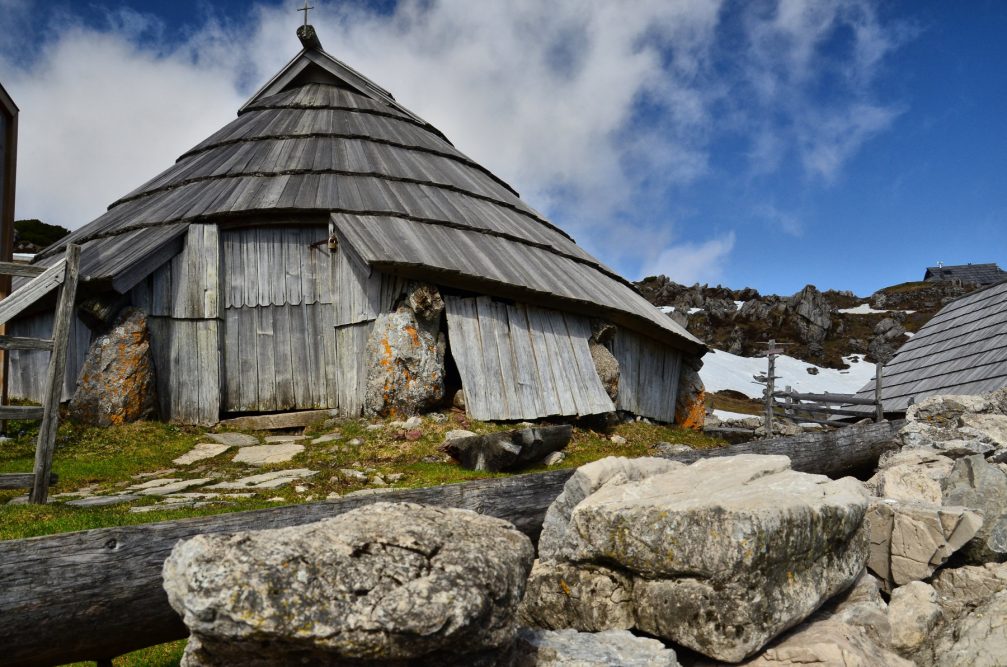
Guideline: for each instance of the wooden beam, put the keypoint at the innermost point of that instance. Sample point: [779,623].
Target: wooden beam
[91,594]
[842,399]
[22,480]
[21,412]
[54,374]
[23,270]
[31,292]
[276,421]
[21,343]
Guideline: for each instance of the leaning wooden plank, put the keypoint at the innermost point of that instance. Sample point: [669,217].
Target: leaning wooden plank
[19,480]
[276,421]
[54,377]
[24,270]
[97,593]
[31,292]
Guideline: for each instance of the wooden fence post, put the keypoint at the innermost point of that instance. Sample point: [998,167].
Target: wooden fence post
[54,377]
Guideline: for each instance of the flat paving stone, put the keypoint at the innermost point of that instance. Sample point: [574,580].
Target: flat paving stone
[168,486]
[204,450]
[234,439]
[267,480]
[104,501]
[328,437]
[265,454]
[277,439]
[156,473]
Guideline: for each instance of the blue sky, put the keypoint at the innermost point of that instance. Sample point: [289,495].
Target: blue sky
[770,144]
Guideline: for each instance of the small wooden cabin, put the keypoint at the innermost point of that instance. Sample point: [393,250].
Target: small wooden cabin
[263,256]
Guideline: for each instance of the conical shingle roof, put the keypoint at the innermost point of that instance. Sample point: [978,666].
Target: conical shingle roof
[320,142]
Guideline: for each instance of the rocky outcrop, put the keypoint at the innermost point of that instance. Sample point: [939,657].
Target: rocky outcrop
[116,384]
[973,482]
[405,357]
[386,584]
[605,363]
[724,554]
[569,648]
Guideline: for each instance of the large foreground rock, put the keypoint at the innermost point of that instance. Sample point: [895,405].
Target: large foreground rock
[116,384]
[979,639]
[724,554]
[975,483]
[508,450]
[391,584]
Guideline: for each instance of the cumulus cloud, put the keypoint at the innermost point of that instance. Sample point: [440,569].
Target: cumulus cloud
[596,111]
[690,263]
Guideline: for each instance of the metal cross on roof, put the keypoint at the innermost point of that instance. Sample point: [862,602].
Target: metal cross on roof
[305,9]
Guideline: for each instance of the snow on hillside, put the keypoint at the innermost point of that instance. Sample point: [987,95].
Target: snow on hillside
[723,370]
[865,309]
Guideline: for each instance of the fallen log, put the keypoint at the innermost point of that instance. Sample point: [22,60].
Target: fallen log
[833,453]
[96,594]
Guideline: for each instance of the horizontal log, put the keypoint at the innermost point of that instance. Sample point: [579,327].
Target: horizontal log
[24,270]
[22,480]
[97,593]
[842,399]
[22,343]
[276,421]
[828,409]
[21,412]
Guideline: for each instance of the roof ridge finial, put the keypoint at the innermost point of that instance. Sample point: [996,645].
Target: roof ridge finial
[306,33]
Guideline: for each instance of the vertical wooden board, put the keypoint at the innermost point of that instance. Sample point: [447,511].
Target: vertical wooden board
[282,358]
[230,380]
[301,369]
[161,303]
[309,266]
[292,251]
[313,354]
[250,267]
[140,295]
[208,364]
[212,303]
[277,264]
[248,344]
[264,354]
[351,357]
[467,350]
[563,365]
[160,348]
[546,350]
[543,363]
[392,289]
[263,272]
[530,390]
[325,273]
[593,392]
[231,269]
[80,343]
[327,351]
[499,356]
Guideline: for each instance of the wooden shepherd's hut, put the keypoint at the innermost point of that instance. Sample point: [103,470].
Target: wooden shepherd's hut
[270,259]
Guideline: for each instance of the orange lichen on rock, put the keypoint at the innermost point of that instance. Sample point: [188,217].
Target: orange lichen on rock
[692,414]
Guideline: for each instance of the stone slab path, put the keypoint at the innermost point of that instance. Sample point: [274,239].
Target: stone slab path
[260,455]
[202,451]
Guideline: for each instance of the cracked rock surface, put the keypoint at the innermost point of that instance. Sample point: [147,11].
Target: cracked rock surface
[723,554]
[385,584]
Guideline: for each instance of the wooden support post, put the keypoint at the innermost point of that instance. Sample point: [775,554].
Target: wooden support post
[789,410]
[879,407]
[54,376]
[771,353]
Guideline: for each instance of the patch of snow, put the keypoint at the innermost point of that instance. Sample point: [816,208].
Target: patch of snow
[908,334]
[693,311]
[723,370]
[728,415]
[666,309]
[738,305]
[865,309]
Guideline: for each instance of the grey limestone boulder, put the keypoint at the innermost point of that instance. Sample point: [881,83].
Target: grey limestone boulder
[570,648]
[724,554]
[913,613]
[979,639]
[981,486]
[385,584]
[591,598]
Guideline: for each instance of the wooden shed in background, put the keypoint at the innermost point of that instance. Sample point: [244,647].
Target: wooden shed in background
[264,256]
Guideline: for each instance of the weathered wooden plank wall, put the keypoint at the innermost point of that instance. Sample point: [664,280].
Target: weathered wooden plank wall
[648,376]
[523,362]
[28,367]
[296,320]
[184,306]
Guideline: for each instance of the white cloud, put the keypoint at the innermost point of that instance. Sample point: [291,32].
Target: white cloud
[594,110]
[689,263]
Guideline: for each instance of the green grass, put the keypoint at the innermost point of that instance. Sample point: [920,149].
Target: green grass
[107,460]
[162,655]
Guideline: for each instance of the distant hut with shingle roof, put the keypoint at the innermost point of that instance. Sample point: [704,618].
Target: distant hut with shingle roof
[973,274]
[271,258]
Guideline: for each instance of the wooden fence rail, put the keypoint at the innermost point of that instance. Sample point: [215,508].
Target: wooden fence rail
[801,407]
[62,276]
